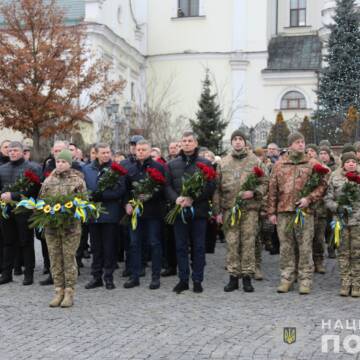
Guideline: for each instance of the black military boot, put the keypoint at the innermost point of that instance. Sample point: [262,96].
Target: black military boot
[5,278]
[181,286]
[233,284]
[47,281]
[247,284]
[28,279]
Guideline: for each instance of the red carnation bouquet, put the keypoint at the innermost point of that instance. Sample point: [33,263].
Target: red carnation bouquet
[144,190]
[350,191]
[110,177]
[318,173]
[251,183]
[24,183]
[192,187]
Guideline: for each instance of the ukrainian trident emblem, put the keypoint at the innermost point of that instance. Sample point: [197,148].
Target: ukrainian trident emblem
[289,335]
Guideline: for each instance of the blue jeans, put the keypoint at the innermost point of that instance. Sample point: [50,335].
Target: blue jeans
[150,230]
[194,230]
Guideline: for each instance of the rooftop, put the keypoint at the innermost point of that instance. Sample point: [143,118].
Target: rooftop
[290,53]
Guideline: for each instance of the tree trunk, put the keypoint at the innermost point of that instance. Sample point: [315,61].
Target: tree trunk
[36,154]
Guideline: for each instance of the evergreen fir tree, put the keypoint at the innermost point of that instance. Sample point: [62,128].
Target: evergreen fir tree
[339,85]
[279,132]
[307,129]
[209,125]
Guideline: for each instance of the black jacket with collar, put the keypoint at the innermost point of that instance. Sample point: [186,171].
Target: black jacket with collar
[180,166]
[155,207]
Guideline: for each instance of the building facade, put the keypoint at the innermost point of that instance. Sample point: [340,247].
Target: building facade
[264,56]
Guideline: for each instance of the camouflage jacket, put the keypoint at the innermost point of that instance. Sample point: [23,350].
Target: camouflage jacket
[233,171]
[71,181]
[322,212]
[336,182]
[287,180]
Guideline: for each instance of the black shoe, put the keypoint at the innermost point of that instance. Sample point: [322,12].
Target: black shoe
[28,280]
[46,271]
[131,283]
[109,285]
[142,272]
[47,281]
[233,284]
[181,286]
[18,271]
[126,273]
[4,279]
[86,254]
[155,284]
[168,272]
[94,283]
[79,262]
[198,287]
[331,252]
[247,284]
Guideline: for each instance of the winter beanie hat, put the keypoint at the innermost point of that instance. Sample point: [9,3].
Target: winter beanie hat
[295,136]
[238,133]
[314,147]
[347,156]
[65,155]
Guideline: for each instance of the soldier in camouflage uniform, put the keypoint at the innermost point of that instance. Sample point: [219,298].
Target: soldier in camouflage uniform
[240,238]
[62,244]
[349,250]
[288,178]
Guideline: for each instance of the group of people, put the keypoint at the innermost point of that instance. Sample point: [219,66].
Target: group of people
[255,196]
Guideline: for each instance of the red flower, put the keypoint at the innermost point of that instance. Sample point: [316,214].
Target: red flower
[322,170]
[47,173]
[259,172]
[161,161]
[32,177]
[208,172]
[352,176]
[118,168]
[156,175]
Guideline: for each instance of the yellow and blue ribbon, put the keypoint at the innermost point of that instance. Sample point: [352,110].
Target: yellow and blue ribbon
[138,209]
[300,217]
[235,215]
[337,227]
[4,209]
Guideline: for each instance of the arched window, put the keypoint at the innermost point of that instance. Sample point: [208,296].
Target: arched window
[293,100]
[297,13]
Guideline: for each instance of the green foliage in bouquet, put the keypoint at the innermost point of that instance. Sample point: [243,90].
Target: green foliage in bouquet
[60,211]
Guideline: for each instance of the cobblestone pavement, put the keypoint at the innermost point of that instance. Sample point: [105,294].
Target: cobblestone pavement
[144,324]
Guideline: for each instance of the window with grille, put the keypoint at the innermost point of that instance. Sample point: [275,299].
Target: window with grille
[293,100]
[188,8]
[297,13]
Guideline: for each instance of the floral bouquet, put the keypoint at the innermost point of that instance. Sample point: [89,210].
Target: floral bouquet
[59,211]
[110,177]
[192,187]
[144,190]
[318,173]
[22,185]
[350,193]
[252,181]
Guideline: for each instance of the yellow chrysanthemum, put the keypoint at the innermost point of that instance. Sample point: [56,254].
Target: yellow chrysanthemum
[47,209]
[57,207]
[69,205]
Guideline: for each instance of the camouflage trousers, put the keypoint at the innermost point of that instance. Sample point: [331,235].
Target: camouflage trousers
[62,245]
[240,239]
[296,248]
[319,239]
[349,256]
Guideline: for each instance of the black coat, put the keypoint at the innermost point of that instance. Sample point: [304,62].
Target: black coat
[12,171]
[156,206]
[111,198]
[180,166]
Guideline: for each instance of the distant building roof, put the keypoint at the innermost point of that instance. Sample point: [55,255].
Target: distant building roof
[74,10]
[289,53]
